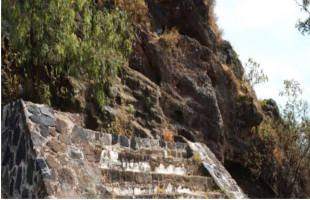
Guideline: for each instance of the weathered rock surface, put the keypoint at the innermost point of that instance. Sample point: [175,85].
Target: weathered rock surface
[185,89]
[90,164]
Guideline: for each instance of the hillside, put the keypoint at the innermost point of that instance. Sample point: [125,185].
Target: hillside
[155,69]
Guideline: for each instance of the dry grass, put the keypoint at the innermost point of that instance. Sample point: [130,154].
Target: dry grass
[168,135]
[169,38]
[231,78]
[212,19]
[136,8]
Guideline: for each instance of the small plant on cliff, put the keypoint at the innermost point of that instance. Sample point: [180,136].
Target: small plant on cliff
[254,75]
[169,38]
[168,135]
[135,8]
[122,123]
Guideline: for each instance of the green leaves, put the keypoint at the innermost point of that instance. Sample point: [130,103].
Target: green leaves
[70,37]
[254,76]
[304,26]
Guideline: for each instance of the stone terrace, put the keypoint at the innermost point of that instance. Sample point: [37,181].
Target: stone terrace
[46,154]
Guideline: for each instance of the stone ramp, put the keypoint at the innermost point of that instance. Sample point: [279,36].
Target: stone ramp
[46,154]
[217,171]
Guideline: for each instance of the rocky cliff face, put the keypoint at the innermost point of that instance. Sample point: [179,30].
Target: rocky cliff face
[197,94]
[184,86]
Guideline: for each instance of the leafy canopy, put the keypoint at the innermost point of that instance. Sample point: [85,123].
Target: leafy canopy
[68,38]
[304,26]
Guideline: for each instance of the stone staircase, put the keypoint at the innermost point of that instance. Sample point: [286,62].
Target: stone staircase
[149,168]
[146,168]
[46,153]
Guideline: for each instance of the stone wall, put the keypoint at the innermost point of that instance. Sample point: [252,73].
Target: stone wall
[46,154]
[40,159]
[21,176]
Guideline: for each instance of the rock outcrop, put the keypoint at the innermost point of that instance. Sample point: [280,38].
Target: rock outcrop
[46,153]
[184,87]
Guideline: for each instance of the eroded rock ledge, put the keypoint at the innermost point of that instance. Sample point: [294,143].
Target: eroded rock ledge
[46,154]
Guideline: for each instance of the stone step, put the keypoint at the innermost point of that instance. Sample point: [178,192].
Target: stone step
[130,160]
[128,183]
[208,195]
[140,145]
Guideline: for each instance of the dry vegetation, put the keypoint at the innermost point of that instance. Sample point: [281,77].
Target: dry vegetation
[136,8]
[168,135]
[169,38]
[212,19]
[240,85]
[231,78]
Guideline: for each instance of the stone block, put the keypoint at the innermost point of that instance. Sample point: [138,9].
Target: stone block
[21,151]
[75,152]
[145,142]
[6,156]
[16,136]
[91,158]
[180,145]
[64,139]
[44,131]
[154,142]
[25,193]
[106,139]
[162,144]
[33,109]
[52,163]
[30,170]
[65,176]
[61,126]
[174,153]
[19,179]
[78,136]
[143,178]
[128,176]
[171,145]
[88,149]
[52,131]
[35,118]
[114,139]
[112,176]
[134,144]
[123,141]
[46,120]
[12,187]
[46,112]
[57,147]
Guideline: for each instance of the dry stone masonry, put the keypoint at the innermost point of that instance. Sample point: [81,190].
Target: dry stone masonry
[46,154]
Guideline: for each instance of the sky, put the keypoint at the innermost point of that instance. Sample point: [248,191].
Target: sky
[264,30]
